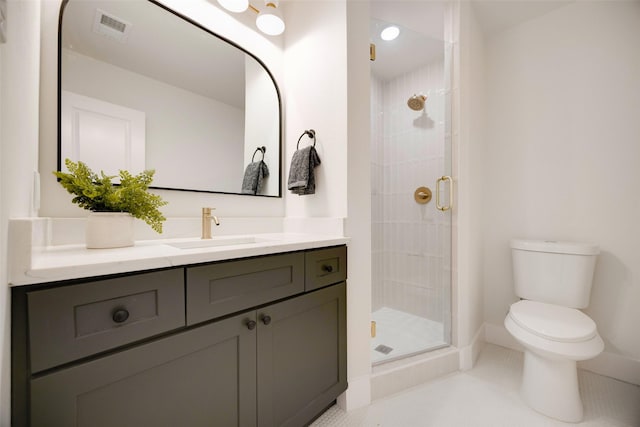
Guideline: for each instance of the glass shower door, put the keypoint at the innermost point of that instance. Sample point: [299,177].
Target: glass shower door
[411,252]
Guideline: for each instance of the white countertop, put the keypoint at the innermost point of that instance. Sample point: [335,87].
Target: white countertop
[64,262]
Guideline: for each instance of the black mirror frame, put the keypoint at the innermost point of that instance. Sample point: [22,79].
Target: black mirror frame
[192,22]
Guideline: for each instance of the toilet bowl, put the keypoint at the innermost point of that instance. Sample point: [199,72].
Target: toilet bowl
[554,338]
[553,280]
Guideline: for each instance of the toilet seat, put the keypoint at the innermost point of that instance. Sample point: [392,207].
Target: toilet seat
[553,348]
[553,322]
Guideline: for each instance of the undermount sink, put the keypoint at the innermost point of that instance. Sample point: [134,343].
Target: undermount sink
[208,243]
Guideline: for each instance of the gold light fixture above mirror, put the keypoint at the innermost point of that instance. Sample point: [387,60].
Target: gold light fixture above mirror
[269,19]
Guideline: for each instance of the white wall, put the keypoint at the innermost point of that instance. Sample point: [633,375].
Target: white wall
[316,98]
[55,200]
[468,160]
[19,62]
[563,157]
[358,222]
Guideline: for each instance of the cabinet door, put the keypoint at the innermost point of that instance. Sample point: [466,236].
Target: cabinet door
[201,377]
[302,364]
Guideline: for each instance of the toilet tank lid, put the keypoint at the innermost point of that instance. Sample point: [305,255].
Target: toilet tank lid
[553,322]
[555,246]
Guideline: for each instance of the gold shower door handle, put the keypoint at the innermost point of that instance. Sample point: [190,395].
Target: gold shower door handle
[443,179]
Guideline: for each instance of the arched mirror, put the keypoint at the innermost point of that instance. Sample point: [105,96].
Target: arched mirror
[142,87]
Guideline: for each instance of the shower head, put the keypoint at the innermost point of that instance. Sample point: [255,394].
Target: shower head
[416,102]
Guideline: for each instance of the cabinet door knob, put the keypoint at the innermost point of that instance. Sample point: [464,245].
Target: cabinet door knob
[251,324]
[266,319]
[327,268]
[120,315]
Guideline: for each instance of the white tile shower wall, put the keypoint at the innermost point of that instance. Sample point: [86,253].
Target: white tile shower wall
[407,151]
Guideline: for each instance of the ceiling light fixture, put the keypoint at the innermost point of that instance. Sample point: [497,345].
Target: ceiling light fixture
[390,33]
[236,6]
[270,20]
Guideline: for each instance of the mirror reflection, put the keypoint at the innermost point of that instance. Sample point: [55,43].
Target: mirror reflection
[144,88]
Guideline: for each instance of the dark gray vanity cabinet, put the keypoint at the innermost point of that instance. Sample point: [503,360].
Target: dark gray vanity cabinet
[274,355]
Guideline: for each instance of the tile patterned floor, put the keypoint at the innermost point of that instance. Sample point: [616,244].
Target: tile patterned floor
[487,396]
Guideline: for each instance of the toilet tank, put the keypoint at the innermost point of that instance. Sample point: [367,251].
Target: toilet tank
[554,272]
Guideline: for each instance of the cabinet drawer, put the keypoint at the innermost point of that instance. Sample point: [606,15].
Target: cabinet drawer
[325,267]
[71,322]
[219,289]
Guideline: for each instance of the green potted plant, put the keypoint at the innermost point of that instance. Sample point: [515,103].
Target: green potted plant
[112,206]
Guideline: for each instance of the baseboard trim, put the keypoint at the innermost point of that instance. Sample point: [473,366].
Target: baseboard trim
[615,366]
[469,354]
[498,335]
[607,363]
[358,394]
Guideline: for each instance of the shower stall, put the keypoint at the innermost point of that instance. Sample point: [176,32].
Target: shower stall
[411,192]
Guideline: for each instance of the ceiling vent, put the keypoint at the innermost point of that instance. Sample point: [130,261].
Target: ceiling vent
[111,26]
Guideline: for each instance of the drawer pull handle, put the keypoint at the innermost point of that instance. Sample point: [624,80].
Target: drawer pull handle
[266,319]
[327,268]
[120,315]
[251,325]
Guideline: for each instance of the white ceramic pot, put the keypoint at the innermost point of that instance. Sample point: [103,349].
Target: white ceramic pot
[109,230]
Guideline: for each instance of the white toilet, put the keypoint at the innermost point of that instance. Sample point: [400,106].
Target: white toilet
[553,280]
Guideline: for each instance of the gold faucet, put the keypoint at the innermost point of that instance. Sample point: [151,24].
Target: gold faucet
[206,222]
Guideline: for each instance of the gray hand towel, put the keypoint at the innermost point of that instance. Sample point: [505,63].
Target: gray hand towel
[301,175]
[254,176]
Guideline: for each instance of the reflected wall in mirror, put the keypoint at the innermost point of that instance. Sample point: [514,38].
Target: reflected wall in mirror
[141,87]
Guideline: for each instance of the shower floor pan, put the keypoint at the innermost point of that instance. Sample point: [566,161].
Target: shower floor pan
[400,334]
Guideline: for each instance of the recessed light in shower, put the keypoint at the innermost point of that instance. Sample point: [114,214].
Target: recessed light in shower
[390,33]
